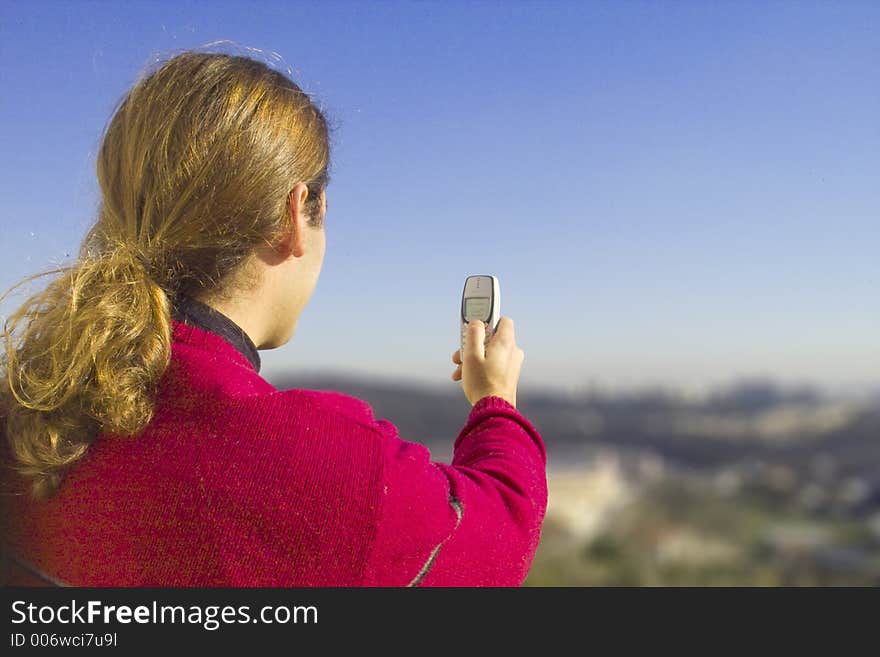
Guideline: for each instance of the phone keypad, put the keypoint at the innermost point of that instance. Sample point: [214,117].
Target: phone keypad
[489,333]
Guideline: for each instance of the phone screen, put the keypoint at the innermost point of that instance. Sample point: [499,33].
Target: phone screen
[477,308]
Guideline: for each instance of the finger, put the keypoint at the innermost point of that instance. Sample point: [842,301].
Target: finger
[504,332]
[476,335]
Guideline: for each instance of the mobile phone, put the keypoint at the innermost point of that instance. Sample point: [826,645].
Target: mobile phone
[480,299]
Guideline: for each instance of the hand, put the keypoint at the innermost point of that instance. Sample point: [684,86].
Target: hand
[490,369]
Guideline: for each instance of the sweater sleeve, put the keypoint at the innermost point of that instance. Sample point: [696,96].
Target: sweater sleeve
[474,522]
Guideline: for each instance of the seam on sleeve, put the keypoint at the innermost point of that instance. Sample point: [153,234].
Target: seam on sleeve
[34,571]
[455,503]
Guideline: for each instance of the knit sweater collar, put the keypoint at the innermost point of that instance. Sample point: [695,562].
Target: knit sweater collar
[190,310]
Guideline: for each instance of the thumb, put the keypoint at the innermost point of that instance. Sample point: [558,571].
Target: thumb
[475,339]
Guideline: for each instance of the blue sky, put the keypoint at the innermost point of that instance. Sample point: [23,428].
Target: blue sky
[671,193]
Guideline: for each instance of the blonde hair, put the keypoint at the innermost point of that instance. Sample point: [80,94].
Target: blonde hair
[195,170]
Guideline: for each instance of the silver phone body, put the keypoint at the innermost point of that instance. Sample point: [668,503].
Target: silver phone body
[480,299]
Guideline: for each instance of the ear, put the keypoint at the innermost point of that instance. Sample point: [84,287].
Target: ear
[294,241]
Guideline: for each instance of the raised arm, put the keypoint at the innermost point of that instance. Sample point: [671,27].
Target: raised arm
[474,522]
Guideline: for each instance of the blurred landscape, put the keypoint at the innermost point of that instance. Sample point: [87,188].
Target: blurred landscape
[752,484]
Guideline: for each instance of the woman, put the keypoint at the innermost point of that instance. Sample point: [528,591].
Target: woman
[143,448]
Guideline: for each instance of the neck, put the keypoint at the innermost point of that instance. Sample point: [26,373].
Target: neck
[244,315]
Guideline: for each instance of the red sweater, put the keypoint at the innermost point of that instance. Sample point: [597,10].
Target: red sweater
[237,483]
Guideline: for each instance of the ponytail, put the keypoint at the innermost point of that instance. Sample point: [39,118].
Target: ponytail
[94,344]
